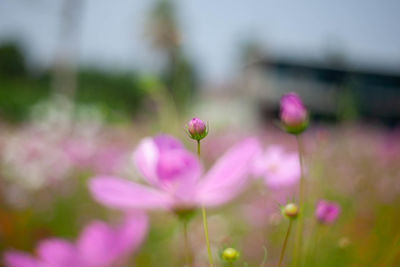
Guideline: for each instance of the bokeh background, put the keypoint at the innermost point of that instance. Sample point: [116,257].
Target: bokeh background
[82,81]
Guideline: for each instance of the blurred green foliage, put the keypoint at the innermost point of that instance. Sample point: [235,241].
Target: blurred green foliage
[19,90]
[119,95]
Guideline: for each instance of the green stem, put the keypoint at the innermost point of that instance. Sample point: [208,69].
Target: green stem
[203,211]
[391,255]
[285,242]
[187,244]
[265,257]
[198,148]
[299,226]
[312,251]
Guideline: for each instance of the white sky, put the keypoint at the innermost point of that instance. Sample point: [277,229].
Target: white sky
[112,32]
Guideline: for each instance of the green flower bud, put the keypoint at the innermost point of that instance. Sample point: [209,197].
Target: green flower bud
[230,255]
[290,210]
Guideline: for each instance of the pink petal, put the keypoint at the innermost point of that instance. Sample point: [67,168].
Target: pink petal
[101,245]
[96,244]
[166,142]
[147,153]
[58,252]
[228,176]
[122,194]
[178,165]
[131,233]
[145,158]
[285,171]
[19,259]
[178,172]
[263,160]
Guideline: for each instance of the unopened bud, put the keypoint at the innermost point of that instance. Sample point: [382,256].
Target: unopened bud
[344,242]
[290,210]
[230,254]
[293,114]
[197,129]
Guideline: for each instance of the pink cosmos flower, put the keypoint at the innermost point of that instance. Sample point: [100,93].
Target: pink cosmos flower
[173,177]
[326,212]
[99,245]
[277,167]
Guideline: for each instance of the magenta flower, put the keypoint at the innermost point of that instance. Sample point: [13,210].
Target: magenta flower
[326,212]
[277,167]
[293,113]
[173,175]
[99,245]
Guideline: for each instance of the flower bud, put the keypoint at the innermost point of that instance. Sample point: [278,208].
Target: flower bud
[343,242]
[290,210]
[230,254]
[327,212]
[293,114]
[197,129]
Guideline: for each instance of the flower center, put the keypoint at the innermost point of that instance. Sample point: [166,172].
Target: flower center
[174,165]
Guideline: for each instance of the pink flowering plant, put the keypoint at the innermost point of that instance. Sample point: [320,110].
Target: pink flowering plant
[159,187]
[174,177]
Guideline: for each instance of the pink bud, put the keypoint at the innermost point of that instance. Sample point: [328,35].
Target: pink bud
[197,129]
[327,212]
[293,113]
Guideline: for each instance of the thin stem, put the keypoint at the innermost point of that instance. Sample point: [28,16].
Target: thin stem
[198,148]
[311,245]
[312,253]
[265,257]
[299,226]
[393,250]
[187,244]
[203,212]
[285,242]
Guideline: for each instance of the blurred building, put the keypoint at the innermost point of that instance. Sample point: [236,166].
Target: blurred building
[330,90]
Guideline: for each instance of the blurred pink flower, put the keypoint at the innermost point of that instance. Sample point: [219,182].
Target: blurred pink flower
[278,168]
[109,159]
[293,112]
[79,151]
[34,160]
[99,245]
[95,155]
[173,175]
[327,212]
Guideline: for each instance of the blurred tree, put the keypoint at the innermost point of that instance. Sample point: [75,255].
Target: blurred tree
[347,102]
[118,95]
[178,74]
[251,51]
[335,52]
[18,89]
[12,61]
